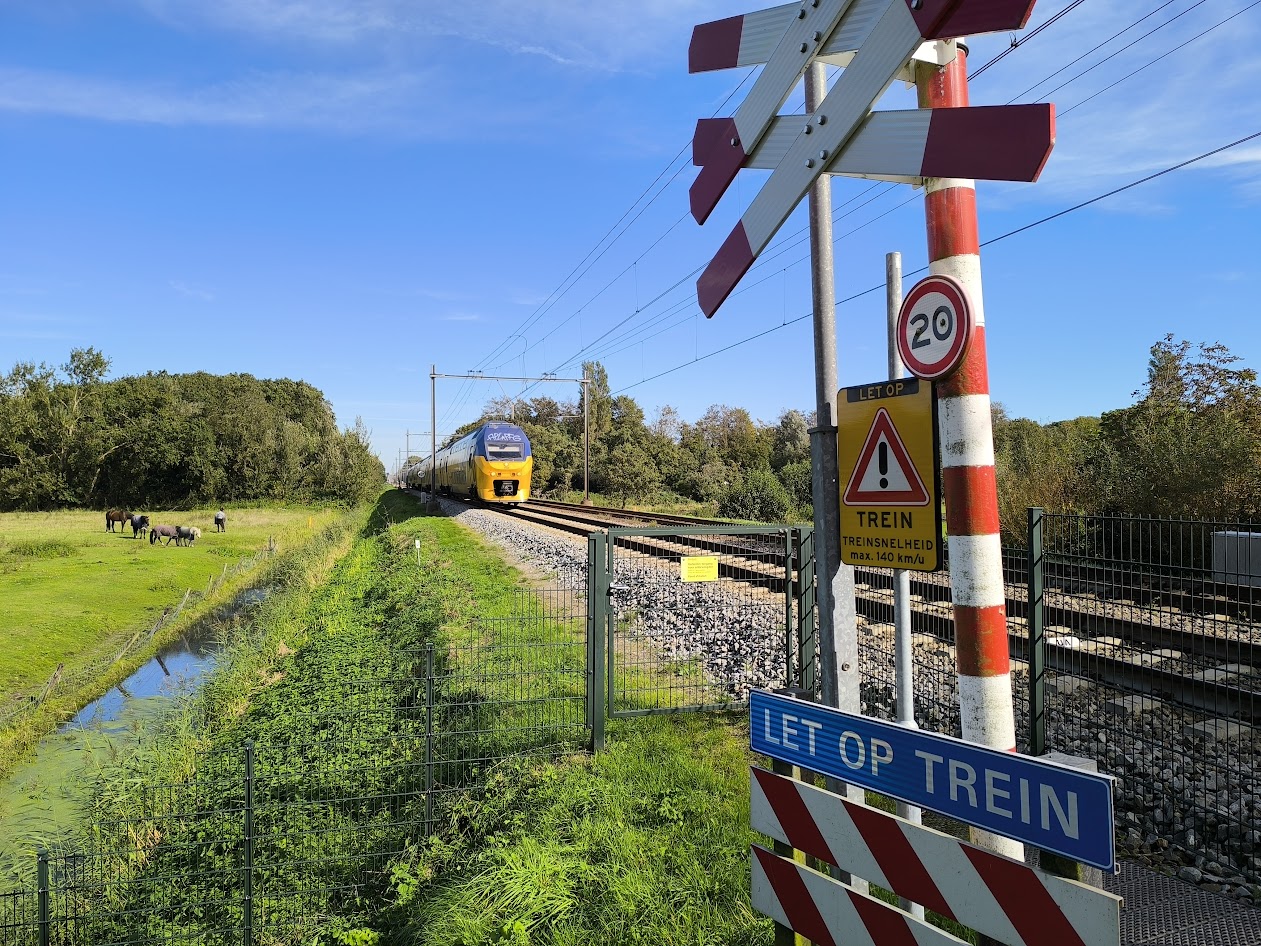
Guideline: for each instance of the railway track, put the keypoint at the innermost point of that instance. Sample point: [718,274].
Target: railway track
[1212,669]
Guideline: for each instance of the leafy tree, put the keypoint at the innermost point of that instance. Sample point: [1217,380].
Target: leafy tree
[73,438]
[1192,445]
[1054,466]
[798,480]
[731,433]
[632,474]
[668,423]
[791,441]
[628,423]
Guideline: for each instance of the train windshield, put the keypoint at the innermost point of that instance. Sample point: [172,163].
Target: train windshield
[503,451]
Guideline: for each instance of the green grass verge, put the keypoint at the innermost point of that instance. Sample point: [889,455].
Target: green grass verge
[526,838]
[647,842]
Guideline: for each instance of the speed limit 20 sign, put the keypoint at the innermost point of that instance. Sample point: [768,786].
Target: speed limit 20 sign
[934,327]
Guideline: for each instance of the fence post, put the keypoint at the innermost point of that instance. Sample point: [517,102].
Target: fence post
[597,628]
[42,895]
[791,674]
[429,738]
[1037,642]
[248,847]
[807,637]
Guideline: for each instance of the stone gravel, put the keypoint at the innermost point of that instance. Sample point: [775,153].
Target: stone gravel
[1186,802]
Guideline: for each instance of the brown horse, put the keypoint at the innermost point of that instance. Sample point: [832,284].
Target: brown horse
[121,516]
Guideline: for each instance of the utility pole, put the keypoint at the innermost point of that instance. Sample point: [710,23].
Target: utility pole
[433,436]
[967,458]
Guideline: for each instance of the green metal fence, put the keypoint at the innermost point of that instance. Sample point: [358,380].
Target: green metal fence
[670,645]
[1145,655]
[287,842]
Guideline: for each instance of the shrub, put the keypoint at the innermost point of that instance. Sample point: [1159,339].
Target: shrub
[760,497]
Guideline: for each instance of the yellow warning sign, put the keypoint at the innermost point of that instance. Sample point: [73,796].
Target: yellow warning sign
[698,568]
[886,446]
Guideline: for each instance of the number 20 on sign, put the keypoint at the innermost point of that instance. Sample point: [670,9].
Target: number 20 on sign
[935,326]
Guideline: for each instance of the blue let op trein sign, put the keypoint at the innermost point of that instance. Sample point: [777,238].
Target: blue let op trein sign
[1053,807]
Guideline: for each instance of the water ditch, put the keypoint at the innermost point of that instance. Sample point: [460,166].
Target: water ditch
[42,801]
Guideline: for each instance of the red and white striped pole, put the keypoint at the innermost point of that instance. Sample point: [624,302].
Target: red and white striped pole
[967,438]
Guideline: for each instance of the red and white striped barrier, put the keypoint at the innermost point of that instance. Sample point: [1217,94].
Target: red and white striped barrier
[750,40]
[997,896]
[828,913]
[990,142]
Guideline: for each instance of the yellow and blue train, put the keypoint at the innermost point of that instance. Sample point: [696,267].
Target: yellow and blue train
[492,463]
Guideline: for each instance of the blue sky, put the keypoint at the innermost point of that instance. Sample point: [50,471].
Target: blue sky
[348,191]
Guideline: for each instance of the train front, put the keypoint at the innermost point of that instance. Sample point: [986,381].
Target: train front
[503,464]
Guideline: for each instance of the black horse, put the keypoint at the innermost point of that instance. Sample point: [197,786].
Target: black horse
[139,525]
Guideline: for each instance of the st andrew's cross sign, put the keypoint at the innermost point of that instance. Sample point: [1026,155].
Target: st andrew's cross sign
[885,34]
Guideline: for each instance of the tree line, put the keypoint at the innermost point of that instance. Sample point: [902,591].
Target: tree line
[1189,447]
[71,438]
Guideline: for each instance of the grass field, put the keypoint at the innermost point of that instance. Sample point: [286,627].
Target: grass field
[71,591]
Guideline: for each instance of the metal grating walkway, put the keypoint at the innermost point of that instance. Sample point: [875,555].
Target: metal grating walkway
[1165,911]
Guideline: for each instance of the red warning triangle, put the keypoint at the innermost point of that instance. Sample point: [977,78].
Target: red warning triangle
[884,474]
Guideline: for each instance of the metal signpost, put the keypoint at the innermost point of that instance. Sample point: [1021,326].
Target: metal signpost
[887,456]
[1053,807]
[944,148]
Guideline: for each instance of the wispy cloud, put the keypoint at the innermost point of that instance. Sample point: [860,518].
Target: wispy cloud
[191,292]
[1119,120]
[445,295]
[274,99]
[613,35]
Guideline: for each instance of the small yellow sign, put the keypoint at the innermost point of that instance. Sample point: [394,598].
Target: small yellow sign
[887,458]
[698,568]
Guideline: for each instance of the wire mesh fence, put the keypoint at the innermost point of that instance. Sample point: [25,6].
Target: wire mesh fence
[1147,665]
[288,841]
[700,617]
[1149,642]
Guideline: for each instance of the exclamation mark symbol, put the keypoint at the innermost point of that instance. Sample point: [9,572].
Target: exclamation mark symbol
[884,464]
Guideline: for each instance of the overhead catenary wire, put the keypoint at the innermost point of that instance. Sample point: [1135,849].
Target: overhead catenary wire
[559,292]
[789,243]
[990,242]
[610,342]
[783,244]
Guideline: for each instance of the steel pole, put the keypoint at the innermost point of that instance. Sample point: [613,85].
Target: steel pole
[968,478]
[838,620]
[903,648]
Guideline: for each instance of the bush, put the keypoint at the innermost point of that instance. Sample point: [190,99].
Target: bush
[760,497]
